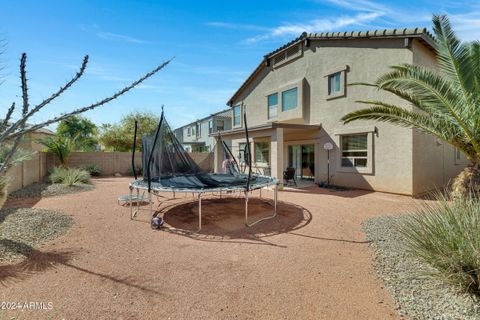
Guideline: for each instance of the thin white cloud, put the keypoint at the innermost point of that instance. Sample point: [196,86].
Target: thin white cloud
[317,25]
[235,26]
[467,25]
[391,15]
[119,37]
[360,5]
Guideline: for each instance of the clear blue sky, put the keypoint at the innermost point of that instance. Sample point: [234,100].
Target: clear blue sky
[216,44]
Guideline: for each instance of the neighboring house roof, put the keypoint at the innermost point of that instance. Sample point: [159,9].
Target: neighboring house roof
[420,33]
[45,131]
[219,113]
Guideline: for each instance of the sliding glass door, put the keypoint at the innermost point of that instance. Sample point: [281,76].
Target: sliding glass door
[302,158]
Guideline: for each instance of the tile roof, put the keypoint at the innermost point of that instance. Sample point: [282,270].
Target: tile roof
[422,33]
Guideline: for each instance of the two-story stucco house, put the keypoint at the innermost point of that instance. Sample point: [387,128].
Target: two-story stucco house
[295,99]
[196,136]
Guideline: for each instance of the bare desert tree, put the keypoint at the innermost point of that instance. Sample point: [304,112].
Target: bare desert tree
[11,132]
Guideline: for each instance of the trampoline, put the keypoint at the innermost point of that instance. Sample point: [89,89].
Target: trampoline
[168,168]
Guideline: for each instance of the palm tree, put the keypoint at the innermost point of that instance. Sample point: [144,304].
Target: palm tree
[60,146]
[446,100]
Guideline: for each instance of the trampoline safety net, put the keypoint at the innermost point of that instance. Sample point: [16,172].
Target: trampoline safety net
[166,162]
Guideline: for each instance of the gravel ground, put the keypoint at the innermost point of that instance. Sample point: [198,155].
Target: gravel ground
[23,229]
[415,295]
[38,190]
[310,262]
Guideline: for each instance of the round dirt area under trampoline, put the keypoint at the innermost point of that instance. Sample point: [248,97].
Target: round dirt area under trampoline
[224,218]
[186,185]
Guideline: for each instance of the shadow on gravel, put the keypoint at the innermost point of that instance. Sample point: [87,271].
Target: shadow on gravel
[37,261]
[223,220]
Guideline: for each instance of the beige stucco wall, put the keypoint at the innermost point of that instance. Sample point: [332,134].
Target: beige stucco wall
[434,162]
[391,147]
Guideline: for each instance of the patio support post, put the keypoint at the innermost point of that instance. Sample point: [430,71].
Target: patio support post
[277,152]
[218,153]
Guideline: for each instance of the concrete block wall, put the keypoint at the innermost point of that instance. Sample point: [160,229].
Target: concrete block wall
[36,169]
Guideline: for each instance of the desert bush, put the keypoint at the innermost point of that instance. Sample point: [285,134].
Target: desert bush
[93,169]
[69,176]
[446,235]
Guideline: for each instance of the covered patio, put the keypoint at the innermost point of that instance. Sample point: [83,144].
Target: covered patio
[276,146]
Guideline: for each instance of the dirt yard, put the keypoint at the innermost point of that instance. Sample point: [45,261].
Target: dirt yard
[311,262]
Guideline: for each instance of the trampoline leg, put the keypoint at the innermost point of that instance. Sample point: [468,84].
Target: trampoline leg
[275,198]
[151,203]
[173,194]
[262,219]
[260,193]
[138,203]
[131,205]
[246,208]
[199,212]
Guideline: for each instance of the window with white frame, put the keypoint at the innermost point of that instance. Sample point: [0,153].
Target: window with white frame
[193,131]
[335,84]
[210,126]
[272,105]
[354,150]
[189,132]
[290,99]
[262,152]
[237,115]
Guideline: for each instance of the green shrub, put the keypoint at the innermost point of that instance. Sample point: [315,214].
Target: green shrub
[446,235]
[69,176]
[93,169]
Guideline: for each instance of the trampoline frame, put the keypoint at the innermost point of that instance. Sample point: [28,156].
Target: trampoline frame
[140,184]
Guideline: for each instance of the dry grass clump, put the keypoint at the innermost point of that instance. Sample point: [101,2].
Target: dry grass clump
[69,176]
[446,235]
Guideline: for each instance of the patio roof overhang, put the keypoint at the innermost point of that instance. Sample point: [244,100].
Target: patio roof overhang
[196,143]
[268,126]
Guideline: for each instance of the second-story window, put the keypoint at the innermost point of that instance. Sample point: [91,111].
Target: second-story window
[220,125]
[189,132]
[193,131]
[289,99]
[236,115]
[272,104]
[210,126]
[198,129]
[335,84]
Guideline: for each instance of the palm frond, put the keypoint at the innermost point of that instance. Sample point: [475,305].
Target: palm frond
[396,115]
[453,58]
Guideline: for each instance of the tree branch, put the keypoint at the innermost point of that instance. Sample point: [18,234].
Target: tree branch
[90,107]
[7,117]
[23,77]
[48,100]
[6,162]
